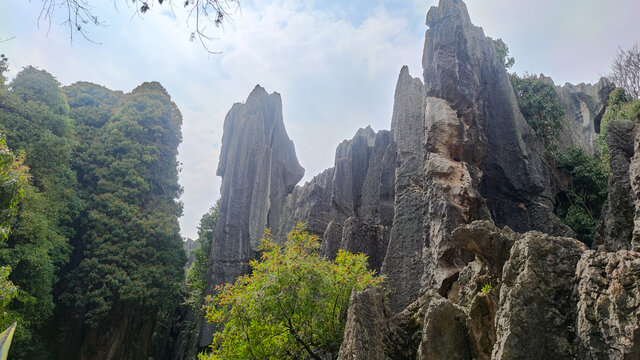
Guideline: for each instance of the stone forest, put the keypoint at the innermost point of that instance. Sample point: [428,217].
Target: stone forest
[497,218]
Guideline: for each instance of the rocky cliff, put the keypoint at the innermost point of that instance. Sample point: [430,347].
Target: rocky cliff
[584,105]
[259,168]
[455,206]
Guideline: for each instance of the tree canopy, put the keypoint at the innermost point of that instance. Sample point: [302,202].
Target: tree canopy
[34,117]
[293,304]
[539,105]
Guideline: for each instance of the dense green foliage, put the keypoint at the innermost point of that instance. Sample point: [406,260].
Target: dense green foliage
[621,107]
[197,273]
[34,117]
[539,105]
[130,250]
[579,207]
[292,306]
[12,181]
[4,66]
[98,206]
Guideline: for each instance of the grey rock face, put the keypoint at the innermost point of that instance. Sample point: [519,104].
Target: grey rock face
[536,309]
[259,169]
[363,193]
[190,246]
[351,204]
[584,105]
[368,314]
[461,67]
[465,153]
[451,198]
[615,228]
[634,174]
[403,261]
[445,334]
[309,204]
[608,306]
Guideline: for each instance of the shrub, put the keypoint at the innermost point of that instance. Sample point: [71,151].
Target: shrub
[292,306]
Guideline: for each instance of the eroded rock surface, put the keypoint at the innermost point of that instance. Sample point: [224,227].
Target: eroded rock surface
[608,306]
[259,168]
[465,153]
[615,227]
[584,105]
[461,67]
[403,259]
[634,174]
[350,205]
[536,311]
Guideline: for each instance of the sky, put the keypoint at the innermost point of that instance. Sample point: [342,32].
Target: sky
[335,62]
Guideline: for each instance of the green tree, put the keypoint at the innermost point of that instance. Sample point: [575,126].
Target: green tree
[34,116]
[502,53]
[130,252]
[197,273]
[4,66]
[579,207]
[539,105]
[12,178]
[293,304]
[621,107]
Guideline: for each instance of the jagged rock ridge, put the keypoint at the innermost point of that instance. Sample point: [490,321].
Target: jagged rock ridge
[259,168]
[422,200]
[584,106]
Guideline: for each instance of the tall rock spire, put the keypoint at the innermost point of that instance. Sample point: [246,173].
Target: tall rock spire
[259,168]
[464,153]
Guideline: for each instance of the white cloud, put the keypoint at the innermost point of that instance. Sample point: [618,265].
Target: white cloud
[334,76]
[335,65]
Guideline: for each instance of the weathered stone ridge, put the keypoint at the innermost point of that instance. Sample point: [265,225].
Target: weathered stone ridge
[615,229]
[454,206]
[351,204]
[403,260]
[460,66]
[584,106]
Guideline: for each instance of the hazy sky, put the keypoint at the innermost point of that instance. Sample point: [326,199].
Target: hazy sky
[335,63]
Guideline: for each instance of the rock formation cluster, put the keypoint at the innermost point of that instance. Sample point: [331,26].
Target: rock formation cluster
[455,206]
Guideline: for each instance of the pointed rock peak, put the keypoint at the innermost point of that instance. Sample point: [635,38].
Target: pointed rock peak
[450,11]
[366,131]
[405,76]
[257,92]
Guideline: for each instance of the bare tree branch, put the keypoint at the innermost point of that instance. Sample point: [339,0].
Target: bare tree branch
[625,71]
[80,15]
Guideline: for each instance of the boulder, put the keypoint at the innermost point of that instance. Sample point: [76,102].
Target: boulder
[535,318]
[608,305]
